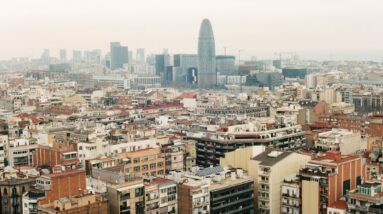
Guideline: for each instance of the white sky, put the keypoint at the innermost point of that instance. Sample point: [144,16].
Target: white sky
[258,27]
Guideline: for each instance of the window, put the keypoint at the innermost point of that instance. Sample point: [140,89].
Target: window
[152,166]
[136,168]
[139,191]
[136,160]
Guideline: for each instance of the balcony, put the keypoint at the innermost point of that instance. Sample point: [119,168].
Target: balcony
[263,206]
[290,195]
[264,198]
[232,194]
[264,173]
[230,204]
[263,181]
[200,204]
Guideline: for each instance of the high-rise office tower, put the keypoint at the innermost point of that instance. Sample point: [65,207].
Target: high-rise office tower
[182,62]
[225,64]
[119,55]
[207,74]
[161,61]
[130,57]
[92,57]
[77,57]
[63,55]
[45,57]
[140,55]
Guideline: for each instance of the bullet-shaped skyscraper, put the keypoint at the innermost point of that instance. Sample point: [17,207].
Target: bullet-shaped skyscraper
[207,74]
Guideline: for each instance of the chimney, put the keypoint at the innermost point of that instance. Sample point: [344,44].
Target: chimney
[334,155]
[233,176]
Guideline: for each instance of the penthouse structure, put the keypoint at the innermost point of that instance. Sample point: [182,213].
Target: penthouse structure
[342,140]
[211,146]
[367,198]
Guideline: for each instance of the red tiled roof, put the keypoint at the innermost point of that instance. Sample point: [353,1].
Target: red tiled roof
[160,180]
[336,157]
[65,173]
[339,204]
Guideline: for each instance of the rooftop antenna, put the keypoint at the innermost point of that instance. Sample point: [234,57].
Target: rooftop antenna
[224,49]
[240,76]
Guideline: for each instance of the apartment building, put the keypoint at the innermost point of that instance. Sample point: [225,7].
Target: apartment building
[79,204]
[347,142]
[20,151]
[272,167]
[193,196]
[160,196]
[58,154]
[291,195]
[231,193]
[127,196]
[61,184]
[3,149]
[366,198]
[149,162]
[212,146]
[11,191]
[328,178]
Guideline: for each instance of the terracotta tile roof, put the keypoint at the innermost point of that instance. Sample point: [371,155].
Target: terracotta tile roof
[339,204]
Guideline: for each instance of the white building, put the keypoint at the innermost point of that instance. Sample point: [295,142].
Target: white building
[96,147]
[115,80]
[20,152]
[343,140]
[133,146]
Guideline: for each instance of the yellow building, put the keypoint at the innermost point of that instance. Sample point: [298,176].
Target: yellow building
[144,162]
[272,166]
[126,197]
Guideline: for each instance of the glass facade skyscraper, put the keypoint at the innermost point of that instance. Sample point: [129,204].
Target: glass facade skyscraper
[118,55]
[207,74]
[225,65]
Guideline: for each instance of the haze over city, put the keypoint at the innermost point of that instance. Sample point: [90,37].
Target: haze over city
[191,107]
[318,29]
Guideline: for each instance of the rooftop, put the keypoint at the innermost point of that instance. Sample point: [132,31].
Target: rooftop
[65,173]
[271,157]
[339,204]
[209,171]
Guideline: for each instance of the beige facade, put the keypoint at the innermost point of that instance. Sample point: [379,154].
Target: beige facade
[145,162]
[273,166]
[126,197]
[240,158]
[310,191]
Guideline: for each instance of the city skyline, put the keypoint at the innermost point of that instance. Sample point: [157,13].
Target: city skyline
[311,29]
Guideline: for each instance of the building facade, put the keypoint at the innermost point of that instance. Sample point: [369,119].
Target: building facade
[207,74]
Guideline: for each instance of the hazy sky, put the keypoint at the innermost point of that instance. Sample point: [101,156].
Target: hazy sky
[259,27]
